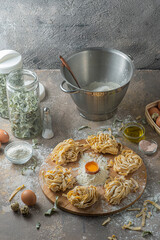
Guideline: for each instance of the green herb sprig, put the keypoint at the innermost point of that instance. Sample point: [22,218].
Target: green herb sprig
[83,127]
[31,167]
[146,233]
[38,225]
[144,121]
[35,143]
[52,210]
[104,129]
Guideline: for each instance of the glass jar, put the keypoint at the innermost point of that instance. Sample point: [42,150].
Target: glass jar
[9,60]
[23,104]
[3,97]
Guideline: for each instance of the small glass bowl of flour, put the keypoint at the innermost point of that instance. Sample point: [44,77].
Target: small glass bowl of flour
[18,152]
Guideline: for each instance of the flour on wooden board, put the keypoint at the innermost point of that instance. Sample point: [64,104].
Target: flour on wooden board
[96,179]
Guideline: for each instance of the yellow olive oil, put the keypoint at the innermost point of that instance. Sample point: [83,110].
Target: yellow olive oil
[134,133]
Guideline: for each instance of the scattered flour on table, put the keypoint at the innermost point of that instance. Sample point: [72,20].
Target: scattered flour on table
[96,179]
[101,127]
[13,178]
[6,209]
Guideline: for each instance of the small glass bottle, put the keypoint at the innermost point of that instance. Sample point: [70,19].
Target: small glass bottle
[9,60]
[47,131]
[23,104]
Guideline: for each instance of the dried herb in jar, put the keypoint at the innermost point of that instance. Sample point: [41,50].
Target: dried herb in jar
[23,102]
[25,115]
[3,97]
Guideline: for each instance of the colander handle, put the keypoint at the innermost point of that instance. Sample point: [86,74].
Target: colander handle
[67,91]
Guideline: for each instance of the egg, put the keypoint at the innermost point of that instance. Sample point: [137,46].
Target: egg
[158,121]
[4,136]
[28,197]
[159,105]
[153,110]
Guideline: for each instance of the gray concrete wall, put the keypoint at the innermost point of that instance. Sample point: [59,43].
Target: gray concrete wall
[41,30]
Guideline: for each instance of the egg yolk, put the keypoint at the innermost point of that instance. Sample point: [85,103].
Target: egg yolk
[92,167]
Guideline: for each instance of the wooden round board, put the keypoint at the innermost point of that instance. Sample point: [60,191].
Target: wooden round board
[101,207]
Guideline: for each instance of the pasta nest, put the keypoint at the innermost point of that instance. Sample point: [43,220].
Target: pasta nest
[103,143]
[59,179]
[67,151]
[83,196]
[127,162]
[119,188]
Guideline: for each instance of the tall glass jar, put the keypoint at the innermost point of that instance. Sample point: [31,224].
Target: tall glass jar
[23,104]
[9,60]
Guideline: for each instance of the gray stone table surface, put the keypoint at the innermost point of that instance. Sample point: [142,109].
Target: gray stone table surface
[143,89]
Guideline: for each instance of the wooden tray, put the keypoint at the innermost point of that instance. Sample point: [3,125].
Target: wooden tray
[101,207]
[148,117]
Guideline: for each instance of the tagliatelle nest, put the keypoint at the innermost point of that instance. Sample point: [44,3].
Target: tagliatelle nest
[118,189]
[59,179]
[127,162]
[103,143]
[82,196]
[67,151]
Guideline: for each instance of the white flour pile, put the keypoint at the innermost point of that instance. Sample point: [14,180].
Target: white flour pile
[96,179]
[101,87]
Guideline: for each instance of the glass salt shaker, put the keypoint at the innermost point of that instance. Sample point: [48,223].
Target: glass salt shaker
[47,132]
[23,104]
[9,60]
